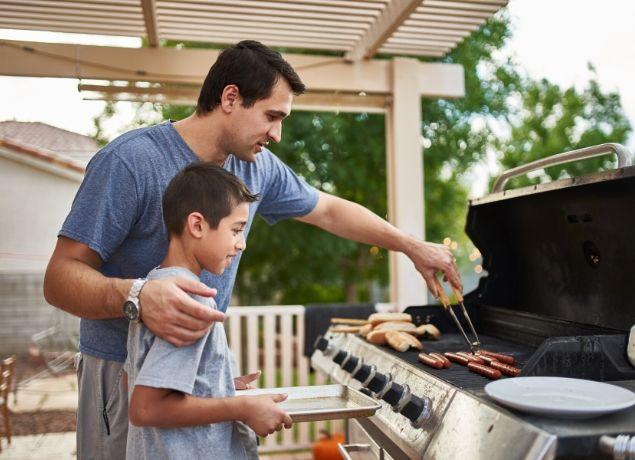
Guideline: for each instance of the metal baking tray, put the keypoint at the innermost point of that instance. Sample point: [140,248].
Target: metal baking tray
[321,402]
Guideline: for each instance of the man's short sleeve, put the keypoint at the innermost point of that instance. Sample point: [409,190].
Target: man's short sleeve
[286,195]
[105,207]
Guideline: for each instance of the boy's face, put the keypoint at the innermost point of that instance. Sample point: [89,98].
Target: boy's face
[220,245]
[251,128]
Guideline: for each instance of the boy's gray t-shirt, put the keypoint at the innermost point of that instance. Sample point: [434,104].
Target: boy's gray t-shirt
[202,369]
[117,212]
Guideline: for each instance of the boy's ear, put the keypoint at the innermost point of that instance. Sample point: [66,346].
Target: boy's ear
[195,224]
[230,98]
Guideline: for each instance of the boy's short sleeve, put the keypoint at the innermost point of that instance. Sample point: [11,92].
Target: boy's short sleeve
[167,366]
[287,195]
[105,207]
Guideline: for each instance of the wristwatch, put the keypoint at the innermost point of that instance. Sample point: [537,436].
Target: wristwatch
[132,306]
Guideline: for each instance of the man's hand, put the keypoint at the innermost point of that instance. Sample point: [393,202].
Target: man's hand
[430,258]
[244,381]
[169,312]
[264,415]
[354,222]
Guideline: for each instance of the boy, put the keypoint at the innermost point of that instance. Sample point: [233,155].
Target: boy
[182,400]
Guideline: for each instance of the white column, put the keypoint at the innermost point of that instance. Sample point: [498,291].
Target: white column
[405,178]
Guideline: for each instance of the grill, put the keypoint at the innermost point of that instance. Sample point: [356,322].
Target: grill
[557,297]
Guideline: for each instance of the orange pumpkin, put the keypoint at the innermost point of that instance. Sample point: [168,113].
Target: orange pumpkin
[326,447]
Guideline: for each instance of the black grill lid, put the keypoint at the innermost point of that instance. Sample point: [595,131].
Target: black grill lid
[564,249]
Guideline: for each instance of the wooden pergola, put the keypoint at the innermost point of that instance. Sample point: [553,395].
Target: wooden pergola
[341,74]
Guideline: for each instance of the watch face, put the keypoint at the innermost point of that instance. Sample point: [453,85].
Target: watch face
[130,311]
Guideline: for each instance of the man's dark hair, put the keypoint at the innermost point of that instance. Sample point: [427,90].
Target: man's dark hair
[253,68]
[206,188]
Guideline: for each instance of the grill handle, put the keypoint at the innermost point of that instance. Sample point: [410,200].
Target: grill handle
[630,347]
[624,158]
[361,449]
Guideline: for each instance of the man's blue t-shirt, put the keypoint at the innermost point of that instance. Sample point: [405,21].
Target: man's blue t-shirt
[117,212]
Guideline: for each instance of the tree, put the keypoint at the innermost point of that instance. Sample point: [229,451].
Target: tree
[454,142]
[551,120]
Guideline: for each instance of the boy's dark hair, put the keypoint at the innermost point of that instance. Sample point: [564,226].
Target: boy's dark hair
[206,188]
[253,68]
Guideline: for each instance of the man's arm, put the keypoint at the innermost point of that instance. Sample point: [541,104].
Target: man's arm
[354,222]
[74,284]
[165,408]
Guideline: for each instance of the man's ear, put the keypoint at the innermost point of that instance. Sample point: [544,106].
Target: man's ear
[230,98]
[195,224]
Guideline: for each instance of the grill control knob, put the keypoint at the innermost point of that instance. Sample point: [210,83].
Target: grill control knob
[417,410]
[340,356]
[362,373]
[393,394]
[321,343]
[351,364]
[366,392]
[378,382]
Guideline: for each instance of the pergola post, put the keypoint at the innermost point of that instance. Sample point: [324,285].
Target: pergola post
[405,178]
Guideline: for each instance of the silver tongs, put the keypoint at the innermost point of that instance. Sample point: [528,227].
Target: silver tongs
[445,301]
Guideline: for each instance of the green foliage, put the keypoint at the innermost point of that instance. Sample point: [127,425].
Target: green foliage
[455,144]
[341,154]
[98,122]
[553,120]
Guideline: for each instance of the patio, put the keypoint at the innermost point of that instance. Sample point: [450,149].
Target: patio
[270,338]
[59,393]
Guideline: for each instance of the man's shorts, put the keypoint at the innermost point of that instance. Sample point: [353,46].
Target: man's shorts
[102,413]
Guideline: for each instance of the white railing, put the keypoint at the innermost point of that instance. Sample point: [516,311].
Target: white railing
[271,338]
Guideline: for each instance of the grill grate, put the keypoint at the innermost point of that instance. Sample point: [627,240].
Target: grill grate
[457,374]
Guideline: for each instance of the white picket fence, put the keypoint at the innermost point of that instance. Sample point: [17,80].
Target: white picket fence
[271,338]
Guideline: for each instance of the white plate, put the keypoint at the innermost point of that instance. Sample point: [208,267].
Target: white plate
[560,396]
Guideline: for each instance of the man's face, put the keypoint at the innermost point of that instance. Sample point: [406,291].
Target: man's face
[220,245]
[252,128]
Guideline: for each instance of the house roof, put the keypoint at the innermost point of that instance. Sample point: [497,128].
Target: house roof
[48,142]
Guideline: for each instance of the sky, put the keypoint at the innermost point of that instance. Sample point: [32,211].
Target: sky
[555,39]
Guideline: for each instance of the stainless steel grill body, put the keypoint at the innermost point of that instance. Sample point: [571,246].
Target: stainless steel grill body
[461,426]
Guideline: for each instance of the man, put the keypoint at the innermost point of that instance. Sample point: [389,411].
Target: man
[114,232]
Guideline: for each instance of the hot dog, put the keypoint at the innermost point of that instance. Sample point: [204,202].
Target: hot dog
[431,361]
[457,358]
[470,357]
[488,359]
[485,371]
[506,368]
[499,357]
[443,359]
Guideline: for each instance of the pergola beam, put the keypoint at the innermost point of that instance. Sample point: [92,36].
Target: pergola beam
[384,26]
[149,8]
[189,66]
[188,95]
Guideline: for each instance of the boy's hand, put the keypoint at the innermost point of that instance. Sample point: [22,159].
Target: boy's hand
[244,381]
[264,415]
[170,313]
